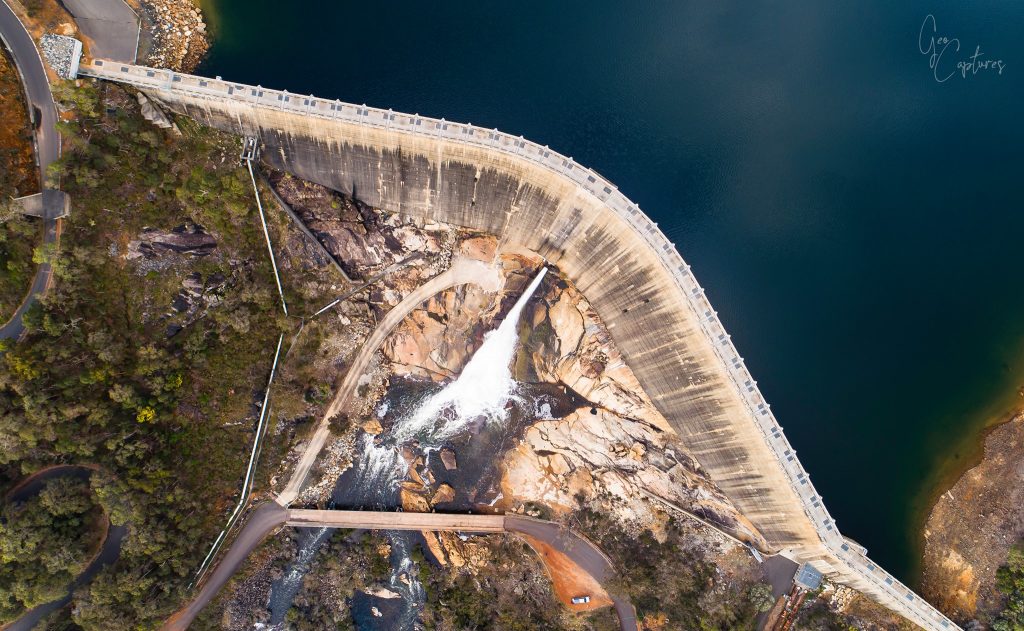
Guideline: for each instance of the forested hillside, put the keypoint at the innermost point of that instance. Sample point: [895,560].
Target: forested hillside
[146,357]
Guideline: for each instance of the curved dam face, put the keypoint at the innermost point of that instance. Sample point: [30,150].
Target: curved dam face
[631,274]
[625,277]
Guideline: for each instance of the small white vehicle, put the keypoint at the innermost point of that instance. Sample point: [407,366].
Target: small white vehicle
[580,600]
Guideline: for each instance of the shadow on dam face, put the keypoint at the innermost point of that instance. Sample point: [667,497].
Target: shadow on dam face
[611,263]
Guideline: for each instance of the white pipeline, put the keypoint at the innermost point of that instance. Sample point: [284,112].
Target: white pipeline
[266,233]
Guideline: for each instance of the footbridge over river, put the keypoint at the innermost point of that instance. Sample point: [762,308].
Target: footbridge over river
[532,196]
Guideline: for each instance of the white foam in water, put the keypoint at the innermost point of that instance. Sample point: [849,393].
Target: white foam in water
[378,462]
[414,589]
[483,388]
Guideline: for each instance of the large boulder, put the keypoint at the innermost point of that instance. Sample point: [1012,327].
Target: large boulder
[444,493]
[479,248]
[567,321]
[437,340]
[189,239]
[448,459]
[580,354]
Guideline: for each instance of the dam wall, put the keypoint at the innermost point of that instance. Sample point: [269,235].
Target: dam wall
[631,274]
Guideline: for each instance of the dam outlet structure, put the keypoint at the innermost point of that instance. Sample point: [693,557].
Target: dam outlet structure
[531,196]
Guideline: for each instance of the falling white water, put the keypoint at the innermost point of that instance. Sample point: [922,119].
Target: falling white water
[483,388]
[542,411]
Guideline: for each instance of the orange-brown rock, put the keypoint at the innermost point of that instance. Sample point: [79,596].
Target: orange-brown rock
[972,526]
[444,493]
[372,426]
[448,458]
[413,502]
[481,248]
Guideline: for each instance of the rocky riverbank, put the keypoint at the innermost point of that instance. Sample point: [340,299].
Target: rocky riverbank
[972,526]
[581,431]
[398,255]
[616,449]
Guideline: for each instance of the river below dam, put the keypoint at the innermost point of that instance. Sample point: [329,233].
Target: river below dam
[855,220]
[478,415]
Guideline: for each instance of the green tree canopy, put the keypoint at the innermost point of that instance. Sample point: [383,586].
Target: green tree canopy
[44,543]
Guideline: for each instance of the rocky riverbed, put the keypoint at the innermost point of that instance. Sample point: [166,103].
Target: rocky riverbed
[177,37]
[972,526]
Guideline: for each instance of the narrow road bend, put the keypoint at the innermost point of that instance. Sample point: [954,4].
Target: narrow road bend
[264,520]
[582,552]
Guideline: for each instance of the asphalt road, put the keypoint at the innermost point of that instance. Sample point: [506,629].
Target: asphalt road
[582,552]
[110,25]
[109,551]
[271,515]
[265,519]
[47,140]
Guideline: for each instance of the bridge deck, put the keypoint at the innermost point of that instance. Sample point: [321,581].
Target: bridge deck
[395,521]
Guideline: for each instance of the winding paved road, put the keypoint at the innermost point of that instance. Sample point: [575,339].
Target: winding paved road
[108,553]
[44,114]
[270,515]
[264,520]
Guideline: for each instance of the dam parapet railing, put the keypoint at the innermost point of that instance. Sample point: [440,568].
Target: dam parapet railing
[852,555]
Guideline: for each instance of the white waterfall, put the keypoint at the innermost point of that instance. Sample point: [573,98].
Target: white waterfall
[481,390]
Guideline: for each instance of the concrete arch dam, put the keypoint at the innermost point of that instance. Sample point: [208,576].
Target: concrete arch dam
[532,196]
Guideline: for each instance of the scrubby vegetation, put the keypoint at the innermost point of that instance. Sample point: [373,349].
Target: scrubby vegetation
[101,378]
[858,613]
[1010,580]
[44,543]
[19,238]
[512,593]
[348,562]
[673,584]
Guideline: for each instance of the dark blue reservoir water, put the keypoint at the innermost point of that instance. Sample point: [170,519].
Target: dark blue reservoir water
[856,221]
